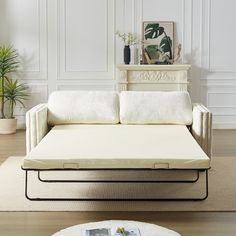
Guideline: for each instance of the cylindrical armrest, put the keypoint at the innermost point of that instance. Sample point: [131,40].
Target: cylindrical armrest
[202,127]
[36,126]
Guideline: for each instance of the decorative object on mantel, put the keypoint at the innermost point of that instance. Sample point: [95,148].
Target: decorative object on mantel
[177,56]
[129,39]
[126,54]
[158,39]
[11,91]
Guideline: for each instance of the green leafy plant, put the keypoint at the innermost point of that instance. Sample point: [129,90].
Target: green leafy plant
[15,92]
[8,63]
[153,31]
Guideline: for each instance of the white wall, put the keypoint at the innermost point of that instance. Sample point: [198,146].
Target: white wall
[71,44]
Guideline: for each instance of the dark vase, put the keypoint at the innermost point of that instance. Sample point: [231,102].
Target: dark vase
[126,54]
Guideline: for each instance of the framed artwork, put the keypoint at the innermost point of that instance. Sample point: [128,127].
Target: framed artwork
[158,39]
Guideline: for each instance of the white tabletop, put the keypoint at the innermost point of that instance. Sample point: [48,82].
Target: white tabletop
[145,229]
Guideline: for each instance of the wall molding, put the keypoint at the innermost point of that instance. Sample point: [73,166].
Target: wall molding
[41,73]
[64,41]
[224,125]
[214,80]
[186,25]
[220,85]
[187,29]
[207,25]
[63,72]
[209,93]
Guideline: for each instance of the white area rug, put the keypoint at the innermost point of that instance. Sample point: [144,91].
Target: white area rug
[222,192]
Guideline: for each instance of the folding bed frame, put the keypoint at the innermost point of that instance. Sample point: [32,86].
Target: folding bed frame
[198,171]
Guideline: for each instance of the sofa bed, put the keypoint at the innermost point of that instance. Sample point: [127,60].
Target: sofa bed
[105,130]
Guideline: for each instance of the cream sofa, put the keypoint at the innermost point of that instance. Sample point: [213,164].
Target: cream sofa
[98,130]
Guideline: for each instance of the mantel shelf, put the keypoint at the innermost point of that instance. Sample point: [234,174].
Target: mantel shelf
[155,67]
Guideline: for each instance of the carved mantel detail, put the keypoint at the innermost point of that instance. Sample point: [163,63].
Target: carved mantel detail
[153,77]
[123,75]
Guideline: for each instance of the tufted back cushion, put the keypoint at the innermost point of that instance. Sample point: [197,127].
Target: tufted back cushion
[85,107]
[138,107]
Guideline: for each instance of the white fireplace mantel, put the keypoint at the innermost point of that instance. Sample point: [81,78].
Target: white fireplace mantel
[153,77]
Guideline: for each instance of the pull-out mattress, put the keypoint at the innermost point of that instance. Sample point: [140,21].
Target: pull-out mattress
[117,146]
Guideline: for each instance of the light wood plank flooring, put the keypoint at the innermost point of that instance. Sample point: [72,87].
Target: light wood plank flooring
[12,145]
[186,223]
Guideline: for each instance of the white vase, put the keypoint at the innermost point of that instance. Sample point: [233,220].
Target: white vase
[8,126]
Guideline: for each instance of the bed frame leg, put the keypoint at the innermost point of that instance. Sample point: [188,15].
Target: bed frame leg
[26,185]
[26,189]
[207,185]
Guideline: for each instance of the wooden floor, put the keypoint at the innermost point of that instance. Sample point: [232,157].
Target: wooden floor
[186,223]
[12,145]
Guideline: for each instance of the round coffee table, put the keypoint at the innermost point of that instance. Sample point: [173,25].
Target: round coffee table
[145,229]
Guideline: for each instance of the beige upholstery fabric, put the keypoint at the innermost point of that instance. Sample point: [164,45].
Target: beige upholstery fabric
[36,126]
[202,127]
[118,146]
[148,107]
[83,107]
[132,112]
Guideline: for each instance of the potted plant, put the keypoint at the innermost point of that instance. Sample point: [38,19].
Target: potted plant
[11,91]
[129,39]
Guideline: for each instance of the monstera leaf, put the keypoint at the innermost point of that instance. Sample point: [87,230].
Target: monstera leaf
[160,31]
[166,44]
[150,31]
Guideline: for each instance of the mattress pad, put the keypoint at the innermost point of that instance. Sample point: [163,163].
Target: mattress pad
[117,146]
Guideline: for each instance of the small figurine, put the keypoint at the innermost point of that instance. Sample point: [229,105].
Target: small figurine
[176,58]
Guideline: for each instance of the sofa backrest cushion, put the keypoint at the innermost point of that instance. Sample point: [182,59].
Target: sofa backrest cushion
[85,107]
[138,107]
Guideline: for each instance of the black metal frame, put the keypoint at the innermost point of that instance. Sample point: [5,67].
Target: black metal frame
[116,181]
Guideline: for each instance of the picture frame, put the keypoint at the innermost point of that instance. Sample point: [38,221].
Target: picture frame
[158,41]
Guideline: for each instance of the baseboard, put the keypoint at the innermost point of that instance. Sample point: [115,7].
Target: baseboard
[20,125]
